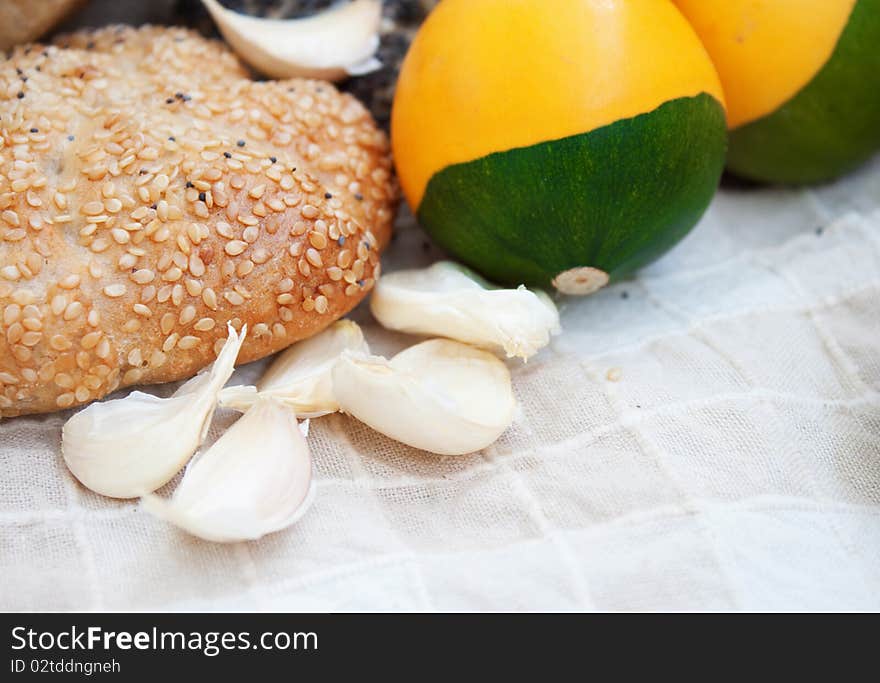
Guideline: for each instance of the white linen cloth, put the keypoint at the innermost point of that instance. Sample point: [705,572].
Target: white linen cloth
[706,436]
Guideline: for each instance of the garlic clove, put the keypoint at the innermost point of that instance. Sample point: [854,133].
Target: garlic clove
[452,301]
[127,447]
[440,396]
[300,376]
[332,45]
[255,480]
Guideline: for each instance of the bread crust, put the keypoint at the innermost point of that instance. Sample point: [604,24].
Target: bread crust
[150,193]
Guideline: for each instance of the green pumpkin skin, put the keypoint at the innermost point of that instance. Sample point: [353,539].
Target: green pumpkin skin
[831,126]
[614,199]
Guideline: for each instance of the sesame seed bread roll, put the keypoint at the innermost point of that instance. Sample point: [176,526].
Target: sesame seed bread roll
[150,193]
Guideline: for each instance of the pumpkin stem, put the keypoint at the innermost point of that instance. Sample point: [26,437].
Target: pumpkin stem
[580,281]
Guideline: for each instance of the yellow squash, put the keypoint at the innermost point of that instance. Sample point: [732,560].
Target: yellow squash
[558,143]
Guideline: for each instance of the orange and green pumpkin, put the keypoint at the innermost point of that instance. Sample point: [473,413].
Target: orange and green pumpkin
[558,141]
[802,83]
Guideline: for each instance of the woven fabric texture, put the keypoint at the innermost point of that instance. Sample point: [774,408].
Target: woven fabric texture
[706,436]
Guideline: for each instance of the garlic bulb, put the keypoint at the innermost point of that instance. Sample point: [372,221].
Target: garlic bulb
[452,301]
[332,45]
[440,395]
[130,446]
[300,377]
[256,479]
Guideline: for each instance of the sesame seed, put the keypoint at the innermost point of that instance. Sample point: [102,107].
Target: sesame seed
[234,298]
[240,143]
[235,247]
[193,287]
[187,315]
[251,234]
[90,340]
[210,298]
[317,240]
[10,273]
[135,357]
[115,291]
[143,276]
[60,343]
[313,257]
[132,376]
[73,311]
[126,261]
[196,265]
[31,338]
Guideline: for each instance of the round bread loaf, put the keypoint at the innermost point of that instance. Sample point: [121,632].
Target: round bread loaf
[150,193]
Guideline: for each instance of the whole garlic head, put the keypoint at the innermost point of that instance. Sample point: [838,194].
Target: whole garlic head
[440,396]
[301,376]
[130,446]
[452,301]
[332,45]
[255,480]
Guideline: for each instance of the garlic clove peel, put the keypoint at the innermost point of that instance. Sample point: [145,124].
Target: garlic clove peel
[301,376]
[452,301]
[127,447]
[255,480]
[332,45]
[440,396]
